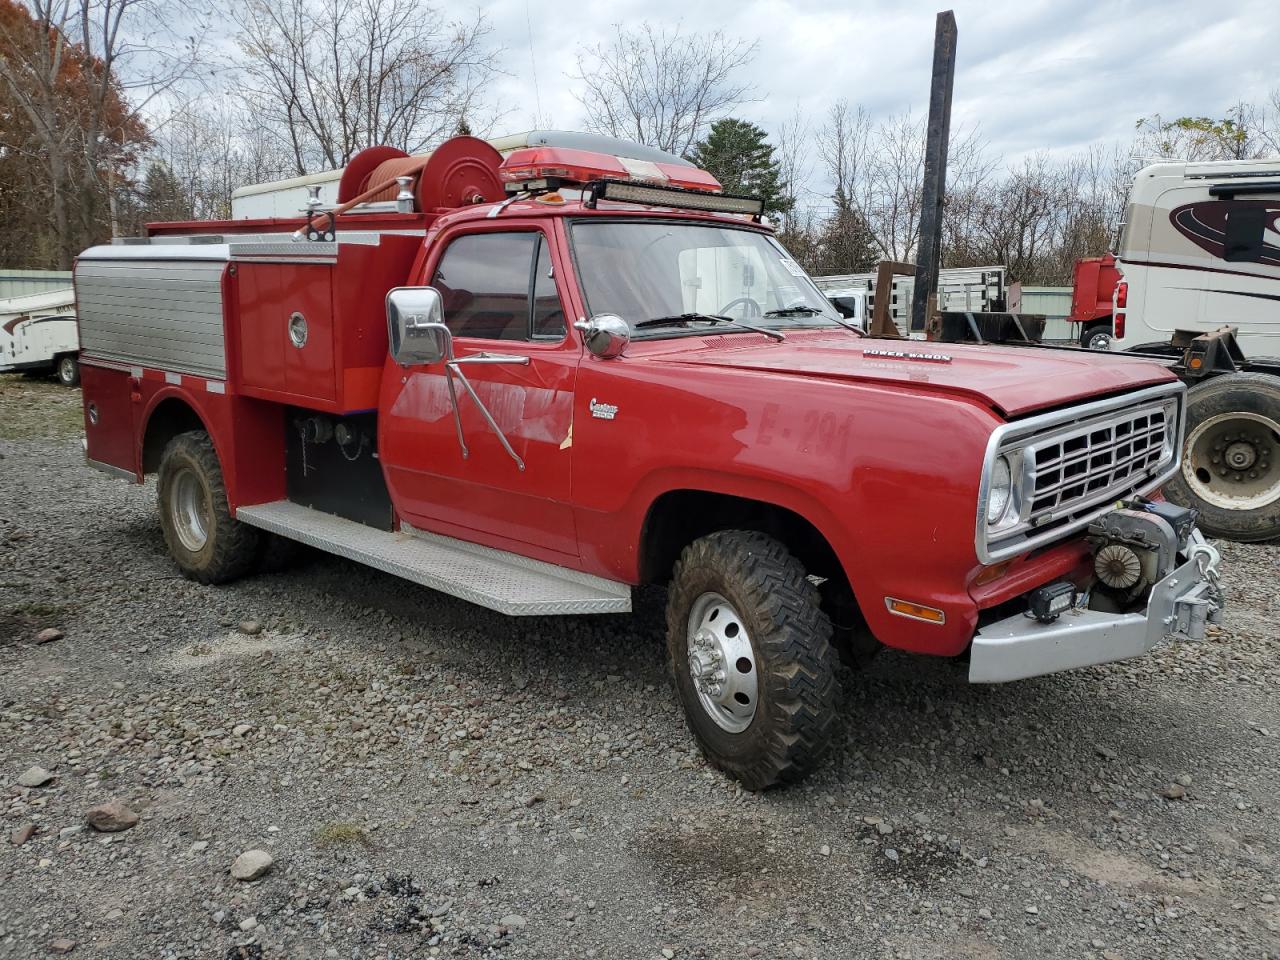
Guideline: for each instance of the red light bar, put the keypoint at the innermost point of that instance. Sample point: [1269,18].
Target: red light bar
[583,166]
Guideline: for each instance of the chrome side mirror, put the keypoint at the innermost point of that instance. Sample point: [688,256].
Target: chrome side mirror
[606,334]
[416,332]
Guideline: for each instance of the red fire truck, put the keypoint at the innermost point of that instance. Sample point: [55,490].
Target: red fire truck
[537,382]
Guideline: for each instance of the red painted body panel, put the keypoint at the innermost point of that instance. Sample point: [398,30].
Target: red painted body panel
[247,433]
[1094,282]
[882,455]
[431,483]
[339,367]
[108,391]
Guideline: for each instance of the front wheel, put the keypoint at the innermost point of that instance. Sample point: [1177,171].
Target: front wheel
[1231,457]
[68,370]
[207,543]
[752,658]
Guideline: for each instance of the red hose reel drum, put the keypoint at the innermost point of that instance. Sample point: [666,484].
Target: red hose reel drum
[459,172]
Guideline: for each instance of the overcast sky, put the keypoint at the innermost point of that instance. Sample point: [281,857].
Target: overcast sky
[1032,75]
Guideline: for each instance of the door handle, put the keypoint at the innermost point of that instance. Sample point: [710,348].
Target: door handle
[493,358]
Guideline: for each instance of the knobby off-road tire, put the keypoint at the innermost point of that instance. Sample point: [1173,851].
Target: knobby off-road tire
[748,590]
[1234,418]
[206,542]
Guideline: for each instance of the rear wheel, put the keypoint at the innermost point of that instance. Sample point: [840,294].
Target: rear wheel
[1231,457]
[1097,336]
[68,370]
[206,542]
[752,657]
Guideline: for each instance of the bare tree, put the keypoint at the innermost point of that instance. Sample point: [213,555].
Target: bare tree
[83,73]
[661,87]
[842,146]
[792,154]
[204,151]
[330,77]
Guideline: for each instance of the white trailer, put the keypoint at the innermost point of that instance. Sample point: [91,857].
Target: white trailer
[960,290]
[38,333]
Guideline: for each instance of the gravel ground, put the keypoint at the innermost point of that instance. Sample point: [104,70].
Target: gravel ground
[431,779]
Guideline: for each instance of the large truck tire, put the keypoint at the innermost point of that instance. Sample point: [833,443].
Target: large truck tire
[207,543]
[1097,335]
[67,367]
[752,658]
[1231,457]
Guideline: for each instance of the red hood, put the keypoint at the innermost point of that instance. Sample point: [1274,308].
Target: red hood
[1012,380]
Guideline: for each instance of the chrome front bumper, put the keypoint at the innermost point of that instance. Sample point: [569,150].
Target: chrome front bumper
[1180,605]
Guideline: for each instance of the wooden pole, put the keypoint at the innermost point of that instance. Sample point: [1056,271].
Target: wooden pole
[935,167]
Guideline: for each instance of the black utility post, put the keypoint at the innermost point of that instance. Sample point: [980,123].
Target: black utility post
[935,168]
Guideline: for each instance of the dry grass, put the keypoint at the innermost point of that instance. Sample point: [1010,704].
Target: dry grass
[38,409]
[341,834]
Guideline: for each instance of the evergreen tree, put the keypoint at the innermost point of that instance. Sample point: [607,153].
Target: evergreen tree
[738,154]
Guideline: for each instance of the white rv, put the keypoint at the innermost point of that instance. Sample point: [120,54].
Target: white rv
[38,333]
[1200,249]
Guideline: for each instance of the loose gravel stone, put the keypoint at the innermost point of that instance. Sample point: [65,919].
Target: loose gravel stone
[251,865]
[34,777]
[22,834]
[111,817]
[48,635]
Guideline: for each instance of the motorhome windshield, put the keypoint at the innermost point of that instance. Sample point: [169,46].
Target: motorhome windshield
[643,271]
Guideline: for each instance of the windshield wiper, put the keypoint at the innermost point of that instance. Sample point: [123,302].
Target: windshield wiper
[802,309]
[793,311]
[709,318]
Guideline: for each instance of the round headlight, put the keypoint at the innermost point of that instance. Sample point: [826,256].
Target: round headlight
[1001,491]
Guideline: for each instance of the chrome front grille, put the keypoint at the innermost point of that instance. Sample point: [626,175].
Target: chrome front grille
[1071,465]
[1097,460]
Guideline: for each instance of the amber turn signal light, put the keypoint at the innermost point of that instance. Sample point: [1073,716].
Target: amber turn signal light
[915,611]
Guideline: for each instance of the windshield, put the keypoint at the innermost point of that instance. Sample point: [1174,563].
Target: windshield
[646,272]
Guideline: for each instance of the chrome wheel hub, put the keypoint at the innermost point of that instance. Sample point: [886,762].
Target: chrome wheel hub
[189,510]
[722,663]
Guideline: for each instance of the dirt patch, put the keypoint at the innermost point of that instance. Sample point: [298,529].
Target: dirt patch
[737,857]
[1104,866]
[233,645]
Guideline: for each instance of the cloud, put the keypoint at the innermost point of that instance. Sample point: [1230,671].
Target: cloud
[1032,76]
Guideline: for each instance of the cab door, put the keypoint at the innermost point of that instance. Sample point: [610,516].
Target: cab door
[502,300]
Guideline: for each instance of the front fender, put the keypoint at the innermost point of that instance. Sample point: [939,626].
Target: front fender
[889,476]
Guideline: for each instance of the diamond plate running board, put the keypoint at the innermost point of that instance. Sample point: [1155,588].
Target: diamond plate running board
[506,582]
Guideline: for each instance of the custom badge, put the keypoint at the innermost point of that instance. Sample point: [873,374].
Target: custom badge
[603,411]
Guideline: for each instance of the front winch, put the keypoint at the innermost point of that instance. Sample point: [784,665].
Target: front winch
[1135,546]
[1138,546]
[1156,578]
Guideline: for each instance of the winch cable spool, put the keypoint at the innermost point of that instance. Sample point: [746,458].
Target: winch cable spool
[460,172]
[1117,566]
